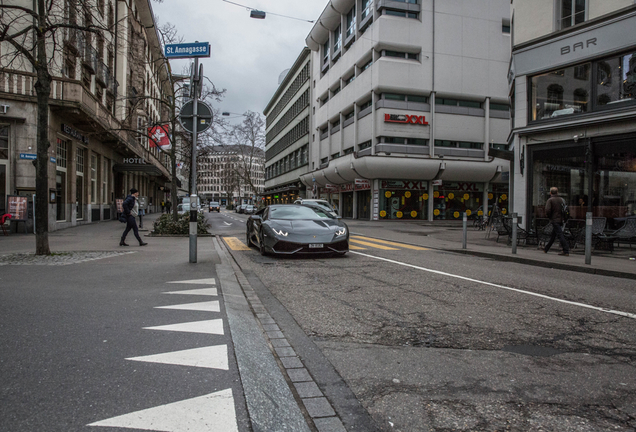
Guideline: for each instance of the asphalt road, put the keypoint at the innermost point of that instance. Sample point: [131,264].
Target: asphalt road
[430,340]
[74,340]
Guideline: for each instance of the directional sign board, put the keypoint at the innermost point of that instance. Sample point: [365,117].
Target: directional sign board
[204,114]
[187,50]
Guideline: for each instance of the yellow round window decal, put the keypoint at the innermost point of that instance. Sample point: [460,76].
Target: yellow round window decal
[468,212]
[480,213]
[399,215]
[456,214]
[504,211]
[489,196]
[466,196]
[413,214]
[451,195]
[504,197]
[436,212]
[436,194]
[407,194]
[387,194]
[425,196]
[383,213]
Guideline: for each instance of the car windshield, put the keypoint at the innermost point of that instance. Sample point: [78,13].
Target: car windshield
[298,212]
[214,203]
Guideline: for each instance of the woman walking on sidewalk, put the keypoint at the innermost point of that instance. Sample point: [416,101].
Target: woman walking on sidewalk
[131,210]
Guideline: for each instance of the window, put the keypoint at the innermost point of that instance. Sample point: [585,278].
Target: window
[457,102]
[402,14]
[60,179]
[351,21]
[4,142]
[365,105]
[571,12]
[458,144]
[559,93]
[364,145]
[392,96]
[105,173]
[335,155]
[349,115]
[348,150]
[499,107]
[616,80]
[505,28]
[349,80]
[324,161]
[93,179]
[337,41]
[325,53]
[367,8]
[366,65]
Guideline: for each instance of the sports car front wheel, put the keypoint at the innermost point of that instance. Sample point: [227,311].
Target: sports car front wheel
[261,244]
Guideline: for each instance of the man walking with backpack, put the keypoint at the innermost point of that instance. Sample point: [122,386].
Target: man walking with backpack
[131,211]
[554,210]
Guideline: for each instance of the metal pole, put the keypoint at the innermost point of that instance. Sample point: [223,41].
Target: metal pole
[193,181]
[588,238]
[465,234]
[514,233]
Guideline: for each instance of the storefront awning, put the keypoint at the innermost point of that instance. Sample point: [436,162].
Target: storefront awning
[149,169]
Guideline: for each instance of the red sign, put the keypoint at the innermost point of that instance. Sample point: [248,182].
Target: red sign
[158,136]
[405,119]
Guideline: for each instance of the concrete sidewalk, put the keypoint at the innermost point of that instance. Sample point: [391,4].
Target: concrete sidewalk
[446,236]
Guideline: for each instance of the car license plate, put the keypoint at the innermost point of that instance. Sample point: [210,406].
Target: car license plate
[316,245]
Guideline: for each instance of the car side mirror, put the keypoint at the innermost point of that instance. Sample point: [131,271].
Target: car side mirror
[255,217]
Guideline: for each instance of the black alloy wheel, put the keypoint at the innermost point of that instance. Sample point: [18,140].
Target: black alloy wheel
[248,240]
[261,244]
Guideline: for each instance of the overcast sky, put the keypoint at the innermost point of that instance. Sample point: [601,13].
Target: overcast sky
[248,54]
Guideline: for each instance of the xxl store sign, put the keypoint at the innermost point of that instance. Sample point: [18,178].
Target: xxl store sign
[405,119]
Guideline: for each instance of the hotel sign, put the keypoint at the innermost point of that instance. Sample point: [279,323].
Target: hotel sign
[405,119]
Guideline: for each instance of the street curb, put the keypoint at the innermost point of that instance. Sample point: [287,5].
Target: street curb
[538,263]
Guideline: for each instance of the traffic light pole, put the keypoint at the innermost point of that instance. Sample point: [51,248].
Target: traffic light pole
[193,182]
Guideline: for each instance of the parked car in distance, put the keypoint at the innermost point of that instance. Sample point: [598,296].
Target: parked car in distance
[321,202]
[241,208]
[215,206]
[185,208]
[249,209]
[297,229]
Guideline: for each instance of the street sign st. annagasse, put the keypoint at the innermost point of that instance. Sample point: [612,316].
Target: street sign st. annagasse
[187,50]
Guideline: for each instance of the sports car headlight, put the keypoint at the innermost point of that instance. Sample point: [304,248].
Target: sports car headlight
[341,232]
[280,233]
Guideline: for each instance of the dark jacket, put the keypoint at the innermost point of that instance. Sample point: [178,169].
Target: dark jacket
[553,209]
[128,204]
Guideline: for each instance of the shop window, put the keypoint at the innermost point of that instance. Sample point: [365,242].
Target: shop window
[616,80]
[561,92]
[61,187]
[401,200]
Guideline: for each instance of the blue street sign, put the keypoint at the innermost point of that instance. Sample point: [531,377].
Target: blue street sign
[187,50]
[29,156]
[53,160]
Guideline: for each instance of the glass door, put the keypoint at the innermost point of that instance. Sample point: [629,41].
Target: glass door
[3,189]
[78,196]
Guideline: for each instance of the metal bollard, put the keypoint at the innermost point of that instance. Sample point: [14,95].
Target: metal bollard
[193,228]
[514,233]
[588,238]
[465,233]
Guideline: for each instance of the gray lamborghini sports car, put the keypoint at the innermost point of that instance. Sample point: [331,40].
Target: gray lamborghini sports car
[295,229]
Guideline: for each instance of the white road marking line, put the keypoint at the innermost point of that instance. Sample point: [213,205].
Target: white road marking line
[611,311]
[214,411]
[209,281]
[210,306]
[212,357]
[202,291]
[227,223]
[214,326]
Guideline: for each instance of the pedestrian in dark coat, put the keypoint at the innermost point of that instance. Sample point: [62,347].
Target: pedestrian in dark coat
[131,210]
[553,210]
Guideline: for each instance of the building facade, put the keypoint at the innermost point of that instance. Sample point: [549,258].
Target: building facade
[106,89]
[287,134]
[231,175]
[573,80]
[407,99]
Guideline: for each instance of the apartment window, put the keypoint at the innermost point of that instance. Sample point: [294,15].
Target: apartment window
[366,66]
[4,146]
[324,161]
[365,105]
[458,144]
[393,96]
[348,150]
[325,53]
[402,14]
[349,80]
[349,115]
[499,107]
[335,155]
[571,12]
[367,8]
[505,28]
[364,145]
[351,21]
[457,102]
[337,41]
[420,99]
[336,90]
